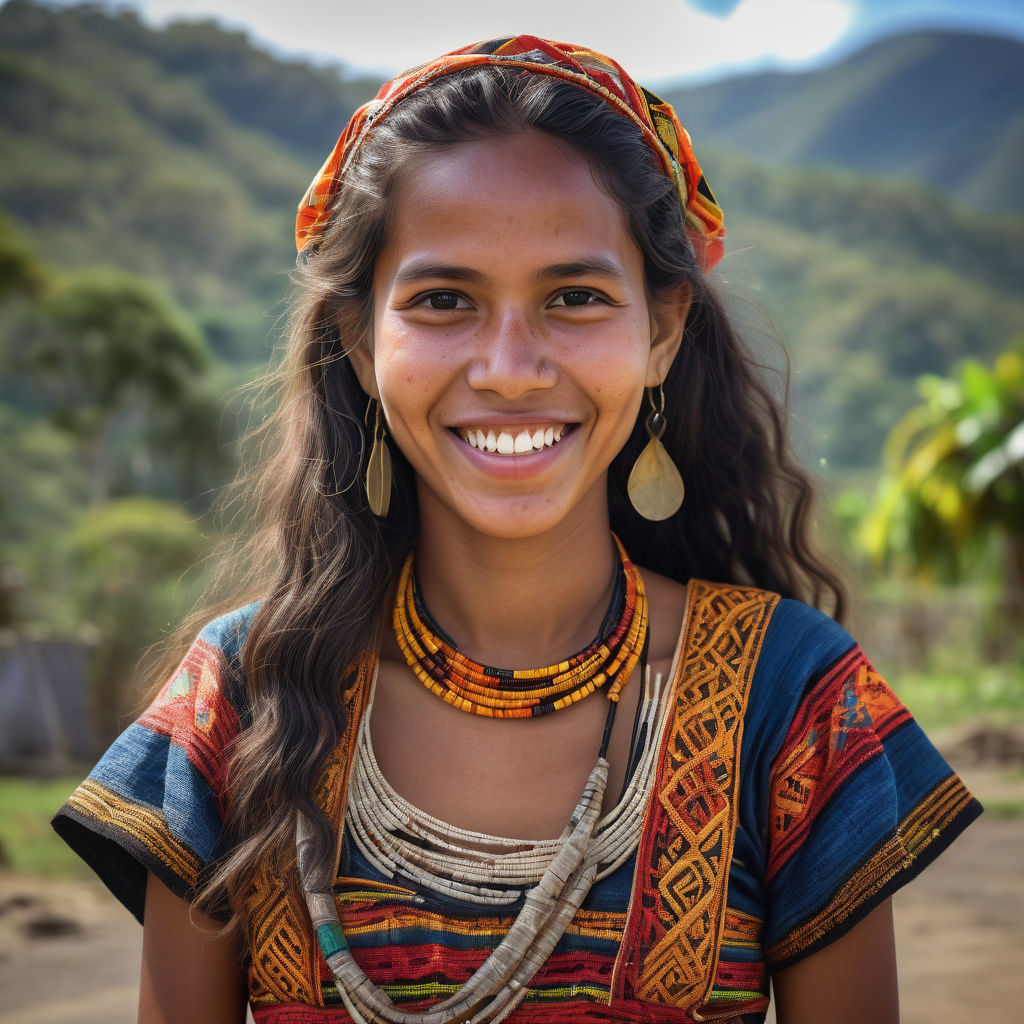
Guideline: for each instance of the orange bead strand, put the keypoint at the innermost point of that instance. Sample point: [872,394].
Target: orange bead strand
[524,693]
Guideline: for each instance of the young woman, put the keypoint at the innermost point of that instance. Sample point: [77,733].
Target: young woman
[492,745]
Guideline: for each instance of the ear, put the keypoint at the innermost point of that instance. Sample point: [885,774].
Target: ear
[361,358]
[668,321]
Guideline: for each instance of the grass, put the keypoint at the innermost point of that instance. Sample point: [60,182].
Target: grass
[1003,807]
[939,698]
[27,842]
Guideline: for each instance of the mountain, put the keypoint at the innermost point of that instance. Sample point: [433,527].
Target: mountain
[946,108]
[180,154]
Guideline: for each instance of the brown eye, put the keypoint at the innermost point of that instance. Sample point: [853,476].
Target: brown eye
[443,300]
[575,297]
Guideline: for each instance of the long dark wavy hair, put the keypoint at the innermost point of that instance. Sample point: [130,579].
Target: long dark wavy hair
[325,563]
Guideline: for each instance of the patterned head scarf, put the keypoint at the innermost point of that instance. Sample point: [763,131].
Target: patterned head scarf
[585,69]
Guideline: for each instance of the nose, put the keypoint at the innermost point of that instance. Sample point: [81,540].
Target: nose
[512,356]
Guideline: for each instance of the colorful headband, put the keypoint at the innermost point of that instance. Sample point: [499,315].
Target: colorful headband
[584,68]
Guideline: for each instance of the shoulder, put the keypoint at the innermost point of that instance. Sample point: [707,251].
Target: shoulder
[800,650]
[227,633]
[783,648]
[799,642]
[207,685]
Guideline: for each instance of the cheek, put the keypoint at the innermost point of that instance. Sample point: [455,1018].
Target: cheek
[412,375]
[616,368]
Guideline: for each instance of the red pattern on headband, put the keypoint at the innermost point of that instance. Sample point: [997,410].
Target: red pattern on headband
[585,69]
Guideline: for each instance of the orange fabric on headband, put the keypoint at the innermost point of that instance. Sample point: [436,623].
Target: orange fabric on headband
[584,68]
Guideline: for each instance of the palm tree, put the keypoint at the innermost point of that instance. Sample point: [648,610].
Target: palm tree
[950,505]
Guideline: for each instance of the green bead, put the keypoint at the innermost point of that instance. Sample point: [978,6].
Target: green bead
[331,938]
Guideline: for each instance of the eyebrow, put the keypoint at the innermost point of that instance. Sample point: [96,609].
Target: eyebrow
[421,270]
[596,265]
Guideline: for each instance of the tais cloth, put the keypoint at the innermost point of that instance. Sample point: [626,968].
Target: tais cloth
[584,68]
[794,792]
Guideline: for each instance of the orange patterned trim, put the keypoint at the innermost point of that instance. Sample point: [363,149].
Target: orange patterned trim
[284,951]
[669,953]
[149,827]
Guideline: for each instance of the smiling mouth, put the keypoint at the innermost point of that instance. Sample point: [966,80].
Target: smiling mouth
[520,442]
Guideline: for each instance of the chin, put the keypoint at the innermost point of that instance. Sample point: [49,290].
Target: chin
[520,517]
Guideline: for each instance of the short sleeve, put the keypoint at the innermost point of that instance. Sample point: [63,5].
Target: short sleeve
[156,799]
[858,803]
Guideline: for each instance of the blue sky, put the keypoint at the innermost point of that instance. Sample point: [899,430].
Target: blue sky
[653,39]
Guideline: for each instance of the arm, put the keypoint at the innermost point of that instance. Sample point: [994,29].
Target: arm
[850,981]
[186,975]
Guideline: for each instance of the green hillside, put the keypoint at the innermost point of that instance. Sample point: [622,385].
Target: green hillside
[946,108]
[180,154]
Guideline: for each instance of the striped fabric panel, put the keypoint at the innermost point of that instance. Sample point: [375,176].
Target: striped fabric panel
[155,800]
[143,828]
[860,802]
[921,837]
[421,951]
[838,729]
[741,980]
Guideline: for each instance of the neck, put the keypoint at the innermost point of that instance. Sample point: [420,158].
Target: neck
[519,603]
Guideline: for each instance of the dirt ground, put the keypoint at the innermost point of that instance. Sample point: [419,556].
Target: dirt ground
[70,955]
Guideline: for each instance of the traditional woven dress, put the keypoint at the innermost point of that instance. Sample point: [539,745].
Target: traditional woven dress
[788,793]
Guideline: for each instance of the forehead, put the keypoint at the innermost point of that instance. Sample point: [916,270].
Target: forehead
[502,196]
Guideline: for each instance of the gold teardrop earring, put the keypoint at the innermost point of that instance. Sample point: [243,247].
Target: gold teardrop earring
[378,466]
[655,486]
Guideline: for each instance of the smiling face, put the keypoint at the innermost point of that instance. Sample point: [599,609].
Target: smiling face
[512,335]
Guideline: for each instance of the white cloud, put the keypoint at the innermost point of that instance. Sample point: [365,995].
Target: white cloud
[652,39]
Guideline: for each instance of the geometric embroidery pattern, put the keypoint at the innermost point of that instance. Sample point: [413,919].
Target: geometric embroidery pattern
[285,959]
[194,710]
[832,736]
[669,953]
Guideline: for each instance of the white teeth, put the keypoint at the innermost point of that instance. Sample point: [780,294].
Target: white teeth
[505,443]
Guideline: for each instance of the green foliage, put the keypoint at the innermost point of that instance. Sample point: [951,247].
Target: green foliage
[20,271]
[177,153]
[28,842]
[113,337]
[107,344]
[950,505]
[870,284]
[955,473]
[42,487]
[944,698]
[129,560]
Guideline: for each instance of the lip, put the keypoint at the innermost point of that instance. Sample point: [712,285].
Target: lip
[513,467]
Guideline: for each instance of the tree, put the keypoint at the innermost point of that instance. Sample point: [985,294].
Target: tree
[951,501]
[109,345]
[20,272]
[128,558]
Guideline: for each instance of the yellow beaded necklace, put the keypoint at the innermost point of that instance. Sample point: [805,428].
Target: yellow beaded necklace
[523,693]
